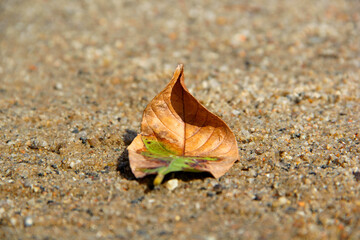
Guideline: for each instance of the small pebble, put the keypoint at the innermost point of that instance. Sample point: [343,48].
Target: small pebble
[235,112]
[210,194]
[218,188]
[58,86]
[2,211]
[214,83]
[93,142]
[282,201]
[28,222]
[13,221]
[210,238]
[72,164]
[172,184]
[82,135]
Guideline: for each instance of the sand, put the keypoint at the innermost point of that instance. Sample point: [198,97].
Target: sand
[75,77]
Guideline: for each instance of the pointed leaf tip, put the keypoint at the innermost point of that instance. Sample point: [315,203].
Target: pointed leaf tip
[181,67]
[180,134]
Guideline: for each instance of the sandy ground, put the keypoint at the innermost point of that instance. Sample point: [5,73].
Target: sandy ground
[75,77]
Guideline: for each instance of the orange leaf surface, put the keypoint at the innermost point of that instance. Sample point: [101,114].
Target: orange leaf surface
[180,134]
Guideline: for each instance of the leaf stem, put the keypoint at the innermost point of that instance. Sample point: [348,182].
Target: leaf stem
[158,179]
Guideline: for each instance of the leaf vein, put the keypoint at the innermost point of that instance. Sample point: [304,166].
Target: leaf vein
[232,144]
[205,141]
[207,152]
[151,107]
[198,128]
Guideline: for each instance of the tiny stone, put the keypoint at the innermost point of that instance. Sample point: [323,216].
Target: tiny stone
[357,176]
[210,238]
[235,112]
[82,134]
[172,184]
[282,201]
[13,221]
[2,211]
[259,151]
[27,183]
[28,222]
[214,83]
[197,206]
[210,194]
[138,200]
[72,164]
[36,144]
[93,142]
[257,197]
[58,86]
[75,130]
[224,68]
[218,188]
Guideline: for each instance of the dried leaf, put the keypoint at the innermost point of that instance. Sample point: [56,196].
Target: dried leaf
[179,134]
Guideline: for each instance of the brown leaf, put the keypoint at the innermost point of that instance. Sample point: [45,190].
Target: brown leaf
[179,134]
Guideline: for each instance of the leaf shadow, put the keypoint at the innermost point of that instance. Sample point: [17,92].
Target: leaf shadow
[187,176]
[123,167]
[123,163]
